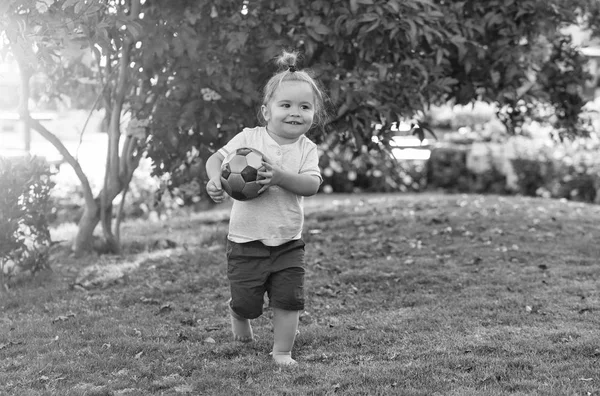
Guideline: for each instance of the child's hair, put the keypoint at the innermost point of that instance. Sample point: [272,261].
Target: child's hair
[288,71]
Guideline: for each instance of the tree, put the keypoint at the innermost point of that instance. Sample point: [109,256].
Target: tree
[50,36]
[381,61]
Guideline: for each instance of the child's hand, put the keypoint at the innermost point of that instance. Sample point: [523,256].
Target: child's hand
[215,190]
[270,176]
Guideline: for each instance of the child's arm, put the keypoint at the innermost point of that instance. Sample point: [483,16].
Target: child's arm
[213,170]
[305,185]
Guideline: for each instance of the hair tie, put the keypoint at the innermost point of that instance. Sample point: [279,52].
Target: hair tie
[292,68]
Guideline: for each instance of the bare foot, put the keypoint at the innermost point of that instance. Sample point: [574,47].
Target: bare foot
[284,359]
[241,328]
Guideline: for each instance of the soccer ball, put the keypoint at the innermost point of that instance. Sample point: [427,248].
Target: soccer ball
[239,173]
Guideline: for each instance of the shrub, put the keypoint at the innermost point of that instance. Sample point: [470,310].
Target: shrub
[447,168]
[24,208]
[375,170]
[534,177]
[568,170]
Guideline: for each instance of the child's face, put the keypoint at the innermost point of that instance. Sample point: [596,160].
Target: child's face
[291,111]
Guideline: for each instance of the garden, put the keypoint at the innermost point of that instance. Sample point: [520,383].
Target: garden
[450,250]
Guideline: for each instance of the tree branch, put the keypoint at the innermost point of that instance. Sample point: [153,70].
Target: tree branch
[49,136]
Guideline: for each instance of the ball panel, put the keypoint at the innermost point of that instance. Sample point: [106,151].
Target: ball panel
[251,190]
[236,182]
[226,186]
[243,151]
[237,163]
[254,159]
[249,174]
[239,196]
[225,170]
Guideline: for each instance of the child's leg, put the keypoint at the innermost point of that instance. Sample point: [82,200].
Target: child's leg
[241,328]
[285,325]
[247,275]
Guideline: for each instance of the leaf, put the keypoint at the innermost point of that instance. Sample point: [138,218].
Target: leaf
[149,300]
[164,309]
[374,26]
[63,318]
[135,29]
[412,34]
[368,17]
[78,6]
[356,327]
[314,36]
[9,344]
[393,4]
[69,3]
[418,131]
[322,29]
[439,56]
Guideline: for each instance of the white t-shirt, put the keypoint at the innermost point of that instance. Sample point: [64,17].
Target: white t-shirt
[277,215]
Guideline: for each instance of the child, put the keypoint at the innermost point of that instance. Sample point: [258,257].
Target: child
[265,251]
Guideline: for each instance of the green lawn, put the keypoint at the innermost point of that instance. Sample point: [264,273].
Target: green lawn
[407,295]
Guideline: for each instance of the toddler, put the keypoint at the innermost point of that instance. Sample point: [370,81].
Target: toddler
[265,250]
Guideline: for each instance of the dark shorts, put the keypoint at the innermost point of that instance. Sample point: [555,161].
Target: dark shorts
[253,269]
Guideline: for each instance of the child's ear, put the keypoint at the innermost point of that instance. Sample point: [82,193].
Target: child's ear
[265,112]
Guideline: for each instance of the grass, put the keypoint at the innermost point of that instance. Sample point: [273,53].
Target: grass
[406,295]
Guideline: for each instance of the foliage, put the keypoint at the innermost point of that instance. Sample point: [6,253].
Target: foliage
[561,78]
[24,208]
[434,52]
[534,175]
[369,171]
[568,170]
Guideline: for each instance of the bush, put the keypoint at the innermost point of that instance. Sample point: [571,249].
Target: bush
[447,168]
[534,176]
[345,171]
[24,209]
[569,170]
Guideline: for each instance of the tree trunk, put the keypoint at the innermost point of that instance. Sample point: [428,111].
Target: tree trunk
[84,241]
[114,183]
